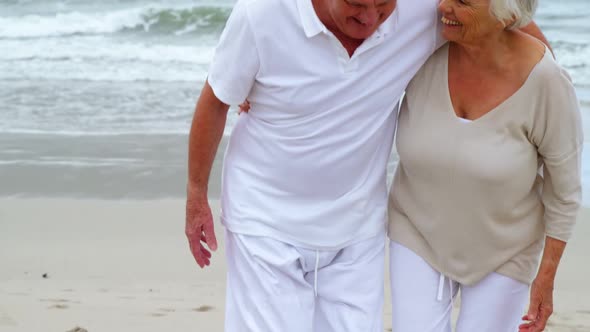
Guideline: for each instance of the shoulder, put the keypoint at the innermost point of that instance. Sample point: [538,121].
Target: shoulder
[552,80]
[261,16]
[437,63]
[553,73]
[267,10]
[554,98]
[433,67]
[545,70]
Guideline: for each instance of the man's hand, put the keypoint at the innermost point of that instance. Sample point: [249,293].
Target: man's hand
[199,226]
[540,307]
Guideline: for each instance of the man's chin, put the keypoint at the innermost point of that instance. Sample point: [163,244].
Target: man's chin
[360,33]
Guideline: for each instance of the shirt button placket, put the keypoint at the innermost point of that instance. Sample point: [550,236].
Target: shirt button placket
[352,65]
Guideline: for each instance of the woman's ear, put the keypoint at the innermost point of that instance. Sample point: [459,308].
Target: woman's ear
[507,24]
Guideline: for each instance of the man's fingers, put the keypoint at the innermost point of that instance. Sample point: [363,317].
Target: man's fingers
[206,253]
[209,233]
[200,253]
[194,239]
[199,229]
[197,253]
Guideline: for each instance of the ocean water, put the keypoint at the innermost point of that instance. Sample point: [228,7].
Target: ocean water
[96,97]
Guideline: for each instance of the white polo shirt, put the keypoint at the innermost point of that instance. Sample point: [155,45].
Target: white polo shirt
[307,164]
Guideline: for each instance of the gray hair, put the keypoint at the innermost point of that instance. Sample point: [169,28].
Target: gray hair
[514,13]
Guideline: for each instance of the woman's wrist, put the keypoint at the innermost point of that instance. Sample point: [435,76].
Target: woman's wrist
[546,278]
[551,256]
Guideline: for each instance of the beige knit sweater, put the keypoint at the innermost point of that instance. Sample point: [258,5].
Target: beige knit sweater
[468,197]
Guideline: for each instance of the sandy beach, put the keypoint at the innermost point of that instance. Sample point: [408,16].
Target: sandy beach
[125,266]
[97,100]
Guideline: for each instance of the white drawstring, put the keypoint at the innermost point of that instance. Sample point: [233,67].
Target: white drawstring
[441,287]
[451,291]
[315,277]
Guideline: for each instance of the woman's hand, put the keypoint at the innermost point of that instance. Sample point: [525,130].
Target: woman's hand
[540,307]
[244,107]
[541,302]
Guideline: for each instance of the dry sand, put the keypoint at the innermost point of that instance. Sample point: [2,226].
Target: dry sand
[125,266]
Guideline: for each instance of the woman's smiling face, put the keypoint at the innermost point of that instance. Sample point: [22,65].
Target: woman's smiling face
[467,21]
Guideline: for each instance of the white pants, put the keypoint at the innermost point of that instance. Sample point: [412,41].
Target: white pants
[275,287]
[422,302]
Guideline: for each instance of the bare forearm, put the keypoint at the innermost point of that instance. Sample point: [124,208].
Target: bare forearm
[206,132]
[551,256]
[541,301]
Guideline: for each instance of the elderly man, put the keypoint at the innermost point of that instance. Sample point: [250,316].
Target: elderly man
[304,194]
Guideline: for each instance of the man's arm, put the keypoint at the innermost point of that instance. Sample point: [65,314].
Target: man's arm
[206,132]
[533,30]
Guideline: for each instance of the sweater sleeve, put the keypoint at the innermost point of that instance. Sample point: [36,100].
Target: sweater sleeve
[558,135]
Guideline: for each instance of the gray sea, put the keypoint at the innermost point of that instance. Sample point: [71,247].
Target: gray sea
[96,97]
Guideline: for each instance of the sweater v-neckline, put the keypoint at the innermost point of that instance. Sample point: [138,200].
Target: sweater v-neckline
[496,109]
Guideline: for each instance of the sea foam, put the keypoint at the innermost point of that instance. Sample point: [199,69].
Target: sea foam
[151,19]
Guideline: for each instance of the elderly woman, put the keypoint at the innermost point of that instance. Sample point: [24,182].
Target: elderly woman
[489,139]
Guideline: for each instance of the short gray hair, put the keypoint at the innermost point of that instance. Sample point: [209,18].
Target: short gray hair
[518,12]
